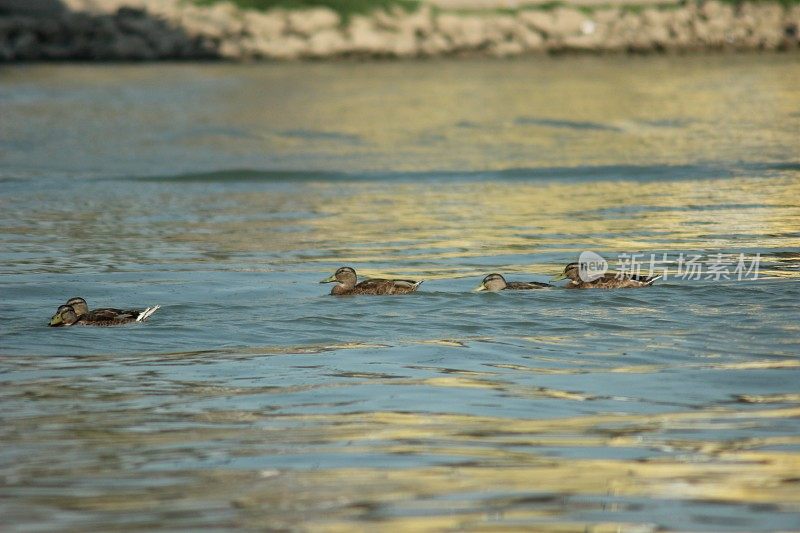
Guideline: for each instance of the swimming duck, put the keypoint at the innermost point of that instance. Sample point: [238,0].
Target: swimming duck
[346,279]
[496,282]
[609,280]
[76,311]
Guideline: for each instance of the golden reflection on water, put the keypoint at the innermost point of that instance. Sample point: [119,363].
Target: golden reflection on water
[505,478]
[710,471]
[530,113]
[444,223]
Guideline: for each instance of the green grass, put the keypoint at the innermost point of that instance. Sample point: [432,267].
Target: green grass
[345,8]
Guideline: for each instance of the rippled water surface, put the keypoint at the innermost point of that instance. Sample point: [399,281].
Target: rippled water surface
[254,400]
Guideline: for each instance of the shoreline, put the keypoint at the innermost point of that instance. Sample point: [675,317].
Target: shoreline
[152,30]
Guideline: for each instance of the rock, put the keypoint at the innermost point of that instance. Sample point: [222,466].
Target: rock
[713,26]
[792,15]
[765,25]
[568,22]
[606,16]
[541,21]
[366,38]
[434,44]
[286,47]
[585,43]
[232,49]
[308,21]
[265,25]
[326,43]
[631,31]
[25,46]
[501,27]
[463,32]
[386,19]
[419,23]
[218,21]
[655,25]
[32,8]
[128,47]
[47,29]
[135,22]
[506,49]
[405,44]
[679,27]
[197,22]
[530,40]
[791,27]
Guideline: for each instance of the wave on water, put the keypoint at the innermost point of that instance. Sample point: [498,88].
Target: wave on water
[639,173]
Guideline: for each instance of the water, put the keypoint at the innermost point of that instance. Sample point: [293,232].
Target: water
[253,400]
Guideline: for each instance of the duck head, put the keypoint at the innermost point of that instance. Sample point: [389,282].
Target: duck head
[345,277]
[571,271]
[79,305]
[492,282]
[65,316]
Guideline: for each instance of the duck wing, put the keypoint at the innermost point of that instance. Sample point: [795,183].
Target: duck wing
[145,314]
[645,280]
[636,278]
[386,286]
[408,285]
[612,280]
[110,313]
[525,285]
[106,317]
[109,316]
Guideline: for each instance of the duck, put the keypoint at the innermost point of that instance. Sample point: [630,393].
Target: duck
[496,282]
[609,280]
[76,311]
[346,283]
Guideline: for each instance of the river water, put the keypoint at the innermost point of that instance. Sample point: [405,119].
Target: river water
[252,399]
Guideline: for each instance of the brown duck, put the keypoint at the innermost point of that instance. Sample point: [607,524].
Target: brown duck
[496,282]
[76,311]
[609,280]
[346,283]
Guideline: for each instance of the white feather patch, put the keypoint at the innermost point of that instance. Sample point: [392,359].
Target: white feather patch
[144,315]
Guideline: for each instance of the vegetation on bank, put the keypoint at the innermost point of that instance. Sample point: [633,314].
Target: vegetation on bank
[345,8]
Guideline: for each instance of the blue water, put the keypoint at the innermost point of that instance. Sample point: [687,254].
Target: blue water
[254,400]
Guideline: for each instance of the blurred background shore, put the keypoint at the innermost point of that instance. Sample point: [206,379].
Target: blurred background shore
[243,30]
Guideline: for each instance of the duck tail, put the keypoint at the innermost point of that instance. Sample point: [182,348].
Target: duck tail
[144,315]
[653,280]
[418,283]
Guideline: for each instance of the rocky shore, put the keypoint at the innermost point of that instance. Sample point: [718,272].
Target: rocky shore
[179,29]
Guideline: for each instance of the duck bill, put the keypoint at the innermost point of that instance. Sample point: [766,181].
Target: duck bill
[559,277]
[479,288]
[55,321]
[329,279]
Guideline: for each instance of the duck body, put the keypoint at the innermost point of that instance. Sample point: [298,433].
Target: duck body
[496,282]
[347,283]
[76,311]
[609,280]
[525,285]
